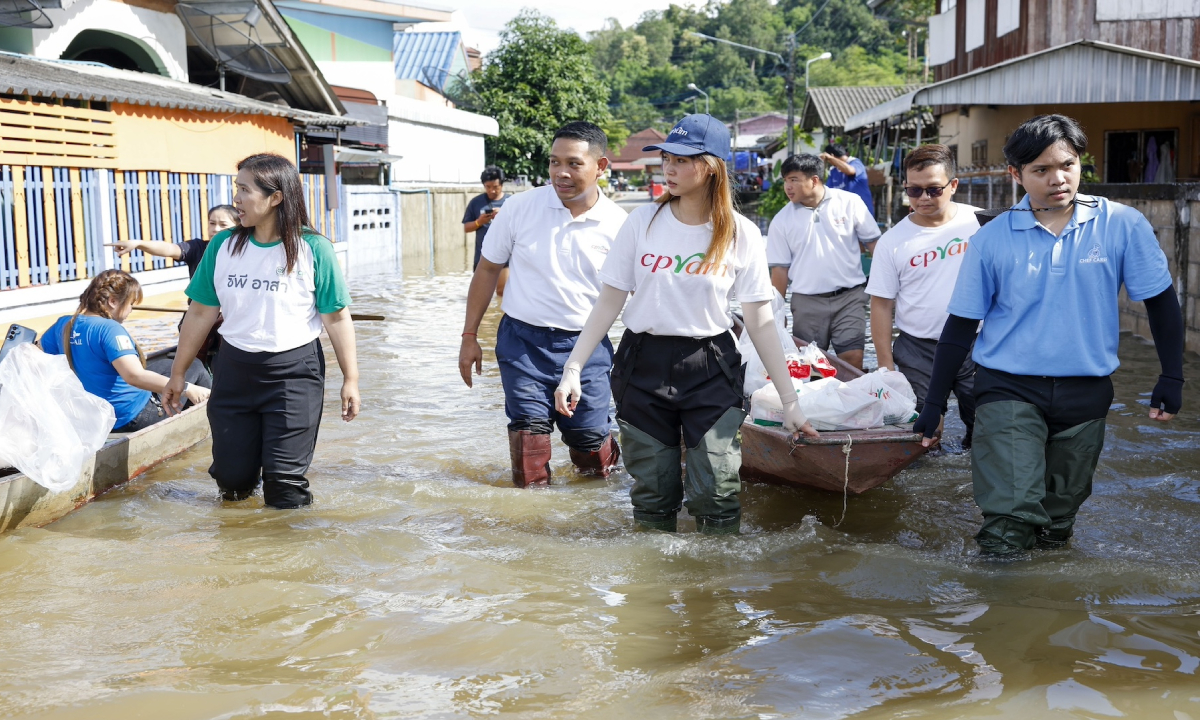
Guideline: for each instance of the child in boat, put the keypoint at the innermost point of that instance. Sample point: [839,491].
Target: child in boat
[107,360]
[677,370]
[220,217]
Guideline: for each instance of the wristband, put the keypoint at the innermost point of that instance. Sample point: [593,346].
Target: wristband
[470,333]
[186,385]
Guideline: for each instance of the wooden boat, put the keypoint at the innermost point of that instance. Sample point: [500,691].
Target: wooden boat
[875,456]
[24,503]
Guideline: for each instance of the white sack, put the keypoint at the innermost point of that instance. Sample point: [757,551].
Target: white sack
[893,391]
[830,404]
[756,373]
[49,425]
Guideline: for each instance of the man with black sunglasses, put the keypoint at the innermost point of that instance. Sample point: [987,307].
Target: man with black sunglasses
[913,272]
[814,246]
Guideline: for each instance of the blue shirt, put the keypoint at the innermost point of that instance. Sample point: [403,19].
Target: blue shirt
[1049,305]
[95,343]
[859,185]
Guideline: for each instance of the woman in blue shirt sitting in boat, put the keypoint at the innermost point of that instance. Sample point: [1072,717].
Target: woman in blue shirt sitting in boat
[107,360]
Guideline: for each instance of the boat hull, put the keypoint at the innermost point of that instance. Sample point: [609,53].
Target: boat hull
[876,455]
[24,503]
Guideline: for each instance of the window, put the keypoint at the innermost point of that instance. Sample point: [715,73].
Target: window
[979,154]
[1008,16]
[1141,156]
[976,13]
[947,5]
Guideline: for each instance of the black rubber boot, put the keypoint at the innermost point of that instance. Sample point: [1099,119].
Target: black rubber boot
[719,525]
[235,495]
[661,523]
[286,492]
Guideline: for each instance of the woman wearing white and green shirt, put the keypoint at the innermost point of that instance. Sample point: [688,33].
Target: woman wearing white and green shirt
[277,283]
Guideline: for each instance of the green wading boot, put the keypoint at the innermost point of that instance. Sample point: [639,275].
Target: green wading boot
[1071,458]
[657,491]
[712,483]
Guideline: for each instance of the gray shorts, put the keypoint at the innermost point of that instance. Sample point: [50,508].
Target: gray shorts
[914,358]
[840,320]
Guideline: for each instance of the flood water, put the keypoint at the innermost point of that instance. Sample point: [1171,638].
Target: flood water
[422,585]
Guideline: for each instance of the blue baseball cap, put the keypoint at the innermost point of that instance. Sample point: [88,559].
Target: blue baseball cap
[696,135]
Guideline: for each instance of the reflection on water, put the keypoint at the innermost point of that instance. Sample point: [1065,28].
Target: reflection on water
[421,585]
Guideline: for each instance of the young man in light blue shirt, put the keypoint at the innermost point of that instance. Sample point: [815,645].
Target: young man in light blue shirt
[1045,278]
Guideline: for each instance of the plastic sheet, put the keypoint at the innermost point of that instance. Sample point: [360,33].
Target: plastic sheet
[893,391]
[49,425]
[828,403]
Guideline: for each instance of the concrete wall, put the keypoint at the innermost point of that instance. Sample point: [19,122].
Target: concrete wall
[453,250]
[158,30]
[1174,212]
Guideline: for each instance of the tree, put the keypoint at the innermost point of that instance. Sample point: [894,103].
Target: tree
[538,79]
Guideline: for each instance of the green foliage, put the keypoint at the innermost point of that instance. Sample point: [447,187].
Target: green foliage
[773,200]
[538,79]
[648,65]
[1088,162]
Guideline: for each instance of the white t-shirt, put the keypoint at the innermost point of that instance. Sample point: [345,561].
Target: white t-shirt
[918,266]
[553,259]
[266,309]
[675,291]
[821,246]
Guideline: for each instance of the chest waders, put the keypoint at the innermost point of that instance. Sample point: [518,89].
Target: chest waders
[1037,443]
[671,388]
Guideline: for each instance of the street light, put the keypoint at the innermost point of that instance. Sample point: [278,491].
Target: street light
[692,86]
[822,56]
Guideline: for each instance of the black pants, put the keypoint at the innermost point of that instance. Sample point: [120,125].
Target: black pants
[914,358]
[665,385]
[153,411]
[264,410]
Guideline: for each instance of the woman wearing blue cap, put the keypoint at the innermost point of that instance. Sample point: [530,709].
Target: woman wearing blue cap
[677,371]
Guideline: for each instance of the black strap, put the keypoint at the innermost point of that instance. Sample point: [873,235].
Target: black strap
[712,346]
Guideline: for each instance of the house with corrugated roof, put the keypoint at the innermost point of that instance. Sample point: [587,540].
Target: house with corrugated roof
[108,135]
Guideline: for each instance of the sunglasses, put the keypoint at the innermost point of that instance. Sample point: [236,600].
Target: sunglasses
[933,192]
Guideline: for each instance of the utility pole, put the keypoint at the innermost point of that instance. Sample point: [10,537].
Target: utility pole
[790,85]
[737,119]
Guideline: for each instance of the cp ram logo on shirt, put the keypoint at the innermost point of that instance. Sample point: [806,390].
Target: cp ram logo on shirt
[957,246]
[690,265]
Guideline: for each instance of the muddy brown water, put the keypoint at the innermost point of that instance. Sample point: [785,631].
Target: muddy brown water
[421,585]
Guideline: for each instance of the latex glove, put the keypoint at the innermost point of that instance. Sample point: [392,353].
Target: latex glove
[1167,398]
[566,397]
[795,422]
[928,423]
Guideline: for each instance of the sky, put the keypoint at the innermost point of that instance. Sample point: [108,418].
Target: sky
[482,20]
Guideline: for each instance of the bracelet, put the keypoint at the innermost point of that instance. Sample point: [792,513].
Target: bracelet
[469,333]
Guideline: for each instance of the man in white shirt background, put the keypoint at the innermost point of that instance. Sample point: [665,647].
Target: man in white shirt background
[913,272]
[814,247]
[554,240]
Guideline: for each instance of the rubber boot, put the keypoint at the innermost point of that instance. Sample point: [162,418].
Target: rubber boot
[530,454]
[712,483]
[235,495]
[599,462]
[286,492]
[657,491]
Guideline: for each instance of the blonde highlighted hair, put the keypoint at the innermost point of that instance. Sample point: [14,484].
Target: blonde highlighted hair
[109,287]
[721,207]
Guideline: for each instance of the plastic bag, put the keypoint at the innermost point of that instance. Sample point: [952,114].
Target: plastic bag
[815,360]
[49,425]
[830,404]
[756,372]
[893,391]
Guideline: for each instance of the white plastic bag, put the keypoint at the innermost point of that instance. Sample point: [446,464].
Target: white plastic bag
[830,404]
[756,373]
[893,391]
[49,425]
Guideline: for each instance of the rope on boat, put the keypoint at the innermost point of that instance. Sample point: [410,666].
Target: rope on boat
[846,478]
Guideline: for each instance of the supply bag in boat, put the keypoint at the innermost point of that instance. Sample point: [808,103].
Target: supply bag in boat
[893,391]
[828,403]
[756,372]
[49,425]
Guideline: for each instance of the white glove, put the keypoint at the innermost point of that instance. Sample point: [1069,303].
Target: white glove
[566,397]
[795,422]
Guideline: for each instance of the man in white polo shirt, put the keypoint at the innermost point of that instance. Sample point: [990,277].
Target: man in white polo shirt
[554,240]
[913,273]
[814,246]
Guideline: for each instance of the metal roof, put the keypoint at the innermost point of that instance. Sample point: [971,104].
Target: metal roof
[1085,71]
[25,75]
[831,107]
[412,52]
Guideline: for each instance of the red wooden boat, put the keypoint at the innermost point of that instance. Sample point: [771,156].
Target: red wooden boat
[851,461]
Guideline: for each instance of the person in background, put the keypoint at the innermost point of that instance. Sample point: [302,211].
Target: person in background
[915,266]
[814,247]
[481,211]
[678,372]
[554,238]
[220,217]
[106,359]
[278,284]
[1045,279]
[849,174]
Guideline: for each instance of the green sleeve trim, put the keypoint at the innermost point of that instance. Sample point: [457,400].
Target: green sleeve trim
[203,288]
[332,293]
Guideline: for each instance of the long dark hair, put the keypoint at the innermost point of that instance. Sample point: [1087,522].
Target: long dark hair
[275,173]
